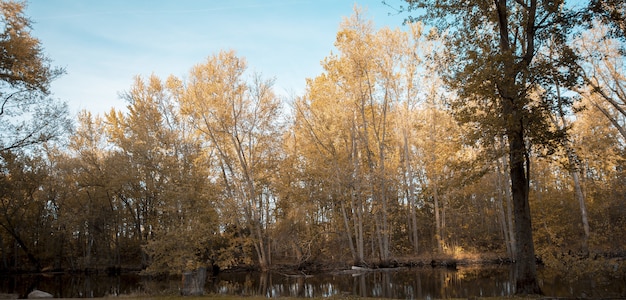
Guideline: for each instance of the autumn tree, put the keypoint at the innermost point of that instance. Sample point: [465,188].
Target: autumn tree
[186,225]
[238,121]
[162,185]
[23,203]
[405,119]
[28,115]
[139,140]
[360,124]
[325,134]
[600,152]
[439,144]
[87,215]
[365,75]
[602,65]
[494,74]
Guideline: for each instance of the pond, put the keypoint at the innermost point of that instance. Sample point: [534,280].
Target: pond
[415,283]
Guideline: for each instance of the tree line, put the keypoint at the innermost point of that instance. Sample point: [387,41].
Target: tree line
[412,142]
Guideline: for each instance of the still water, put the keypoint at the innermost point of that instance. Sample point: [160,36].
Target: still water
[417,283]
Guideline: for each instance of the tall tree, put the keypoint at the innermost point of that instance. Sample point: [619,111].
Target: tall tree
[238,122]
[439,143]
[147,142]
[173,172]
[89,215]
[28,115]
[494,74]
[347,116]
[326,130]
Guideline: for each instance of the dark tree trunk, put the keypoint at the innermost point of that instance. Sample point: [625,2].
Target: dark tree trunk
[512,94]
[29,254]
[525,264]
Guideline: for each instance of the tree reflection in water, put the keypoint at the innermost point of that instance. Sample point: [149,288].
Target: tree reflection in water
[416,283]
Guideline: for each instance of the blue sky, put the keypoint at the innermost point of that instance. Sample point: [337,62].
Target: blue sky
[103,45]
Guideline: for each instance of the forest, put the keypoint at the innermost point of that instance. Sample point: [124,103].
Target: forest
[399,151]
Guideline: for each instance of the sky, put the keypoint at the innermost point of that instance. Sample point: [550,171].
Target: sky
[104,45]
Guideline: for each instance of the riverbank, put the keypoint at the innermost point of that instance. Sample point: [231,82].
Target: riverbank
[434,260]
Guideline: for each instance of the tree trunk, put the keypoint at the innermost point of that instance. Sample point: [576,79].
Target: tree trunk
[5,265]
[583,209]
[526,270]
[438,236]
[355,197]
[29,254]
[572,160]
[512,95]
[503,224]
[578,192]
[509,208]
[410,192]
[504,196]
[348,234]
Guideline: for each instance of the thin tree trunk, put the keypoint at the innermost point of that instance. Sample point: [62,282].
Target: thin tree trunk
[26,249]
[503,224]
[438,237]
[504,197]
[583,209]
[410,192]
[500,206]
[5,265]
[578,192]
[442,233]
[509,206]
[348,235]
[381,135]
[573,169]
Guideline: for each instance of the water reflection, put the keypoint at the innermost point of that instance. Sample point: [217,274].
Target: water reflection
[417,283]
[71,286]
[400,284]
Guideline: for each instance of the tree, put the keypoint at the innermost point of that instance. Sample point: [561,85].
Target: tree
[495,74]
[439,142]
[600,150]
[163,184]
[365,75]
[602,65]
[22,204]
[173,193]
[326,130]
[89,221]
[28,115]
[238,123]
[345,116]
